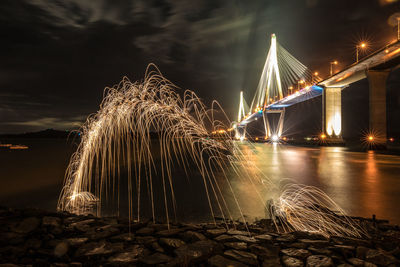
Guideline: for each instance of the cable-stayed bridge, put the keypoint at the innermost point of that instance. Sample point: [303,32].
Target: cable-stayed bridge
[285,81]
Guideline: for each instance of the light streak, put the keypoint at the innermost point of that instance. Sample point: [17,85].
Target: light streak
[119,134]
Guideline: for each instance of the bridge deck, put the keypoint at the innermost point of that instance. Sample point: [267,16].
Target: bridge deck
[384,58]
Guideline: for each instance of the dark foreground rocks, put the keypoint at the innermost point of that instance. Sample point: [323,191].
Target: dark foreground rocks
[39,238]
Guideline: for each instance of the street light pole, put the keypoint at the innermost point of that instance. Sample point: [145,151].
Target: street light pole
[398,28]
[315,77]
[298,84]
[333,63]
[362,45]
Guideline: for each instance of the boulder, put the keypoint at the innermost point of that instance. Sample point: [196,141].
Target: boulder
[191,236]
[94,248]
[292,262]
[171,243]
[380,257]
[264,252]
[51,221]
[156,258]
[145,231]
[217,231]
[61,249]
[319,261]
[196,251]
[242,256]
[236,245]
[296,253]
[170,232]
[27,225]
[219,261]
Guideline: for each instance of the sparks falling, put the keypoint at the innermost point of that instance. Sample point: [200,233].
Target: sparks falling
[120,134]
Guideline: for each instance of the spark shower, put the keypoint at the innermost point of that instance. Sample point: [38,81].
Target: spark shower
[120,134]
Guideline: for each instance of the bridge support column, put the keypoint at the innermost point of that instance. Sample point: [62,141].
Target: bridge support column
[377,104]
[332,113]
[269,131]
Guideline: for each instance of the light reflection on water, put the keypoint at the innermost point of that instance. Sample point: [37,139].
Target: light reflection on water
[361,183]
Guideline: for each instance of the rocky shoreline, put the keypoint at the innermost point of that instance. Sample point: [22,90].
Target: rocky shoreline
[31,237]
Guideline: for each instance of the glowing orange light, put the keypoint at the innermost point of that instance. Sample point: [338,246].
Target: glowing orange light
[386,51]
[370,138]
[391,139]
[363,45]
[256,138]
[335,62]
[323,136]
[284,138]
[316,73]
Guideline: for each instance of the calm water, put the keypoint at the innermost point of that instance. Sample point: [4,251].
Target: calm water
[361,183]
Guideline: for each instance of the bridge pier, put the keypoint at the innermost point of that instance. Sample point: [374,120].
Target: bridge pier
[269,131]
[377,105]
[332,114]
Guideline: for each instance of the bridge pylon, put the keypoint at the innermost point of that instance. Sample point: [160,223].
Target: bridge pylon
[332,113]
[270,131]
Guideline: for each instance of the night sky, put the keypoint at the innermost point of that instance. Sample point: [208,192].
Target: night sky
[56,57]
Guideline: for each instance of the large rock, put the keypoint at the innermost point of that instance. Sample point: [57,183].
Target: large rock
[156,258]
[170,232]
[380,257]
[219,261]
[242,256]
[264,237]
[292,262]
[297,245]
[264,252]
[319,261]
[77,241]
[146,240]
[320,251]
[125,237]
[191,236]
[171,243]
[145,231]
[61,249]
[129,256]
[82,226]
[236,232]
[103,232]
[286,238]
[96,248]
[196,251]
[27,225]
[296,253]
[346,251]
[315,242]
[217,231]
[156,247]
[236,245]
[273,262]
[244,238]
[51,221]
[356,262]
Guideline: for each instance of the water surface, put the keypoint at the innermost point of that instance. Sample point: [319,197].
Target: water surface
[362,183]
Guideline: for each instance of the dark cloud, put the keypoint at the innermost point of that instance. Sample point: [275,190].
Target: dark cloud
[57,56]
